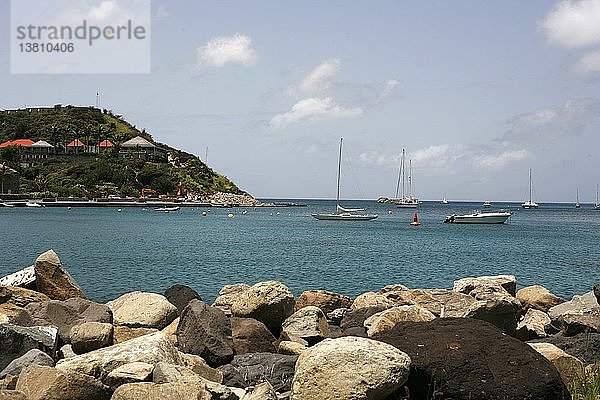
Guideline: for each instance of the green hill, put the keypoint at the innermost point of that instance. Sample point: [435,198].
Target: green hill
[91,172]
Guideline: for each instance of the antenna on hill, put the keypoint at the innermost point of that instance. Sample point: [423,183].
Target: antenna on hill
[97,99]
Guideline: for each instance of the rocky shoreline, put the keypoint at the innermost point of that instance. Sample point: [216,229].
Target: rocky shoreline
[481,340]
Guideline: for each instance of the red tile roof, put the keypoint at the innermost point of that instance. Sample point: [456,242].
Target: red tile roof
[76,143]
[106,143]
[18,142]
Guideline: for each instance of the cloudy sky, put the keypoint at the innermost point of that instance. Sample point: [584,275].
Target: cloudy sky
[476,92]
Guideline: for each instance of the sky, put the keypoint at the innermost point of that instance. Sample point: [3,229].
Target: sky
[476,92]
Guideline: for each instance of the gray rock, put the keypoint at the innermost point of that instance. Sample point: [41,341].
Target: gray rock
[66,352]
[22,278]
[308,323]
[167,373]
[577,305]
[532,325]
[227,295]
[249,369]
[91,336]
[180,296]
[130,373]
[32,357]
[200,367]
[335,317]
[466,285]
[142,310]
[15,341]
[496,306]
[52,278]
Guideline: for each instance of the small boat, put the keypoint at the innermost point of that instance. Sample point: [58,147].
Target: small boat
[6,205]
[341,213]
[577,205]
[167,209]
[487,204]
[404,198]
[597,205]
[444,200]
[529,204]
[33,204]
[495,217]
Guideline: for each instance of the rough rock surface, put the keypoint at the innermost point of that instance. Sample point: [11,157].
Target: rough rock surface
[466,285]
[596,291]
[325,300]
[349,368]
[15,341]
[569,367]
[227,295]
[142,310]
[124,333]
[64,315]
[385,320]
[249,369]
[584,346]
[180,296]
[262,391]
[577,305]
[166,391]
[440,302]
[251,336]
[352,323]
[9,382]
[269,302]
[372,299]
[91,336]
[12,395]
[538,297]
[171,330]
[99,363]
[532,325]
[581,314]
[308,323]
[32,357]
[200,367]
[129,373]
[165,373]
[53,280]
[460,358]
[13,299]
[291,348]
[41,383]
[205,331]
[497,309]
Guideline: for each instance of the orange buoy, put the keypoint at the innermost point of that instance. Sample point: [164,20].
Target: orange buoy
[415,221]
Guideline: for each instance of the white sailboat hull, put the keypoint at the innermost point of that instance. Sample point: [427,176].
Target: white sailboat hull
[479,218]
[529,205]
[344,217]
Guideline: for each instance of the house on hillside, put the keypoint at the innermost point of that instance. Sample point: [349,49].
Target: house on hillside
[138,147]
[9,180]
[76,146]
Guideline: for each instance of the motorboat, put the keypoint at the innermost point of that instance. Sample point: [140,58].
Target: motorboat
[487,204]
[6,205]
[167,209]
[33,204]
[477,217]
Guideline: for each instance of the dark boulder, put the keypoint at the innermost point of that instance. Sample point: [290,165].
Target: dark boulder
[15,341]
[459,358]
[180,296]
[584,346]
[206,332]
[251,336]
[352,323]
[32,357]
[249,369]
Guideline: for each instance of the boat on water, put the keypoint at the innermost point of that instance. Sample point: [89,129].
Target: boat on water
[577,205]
[341,213]
[597,205]
[33,204]
[530,204]
[404,197]
[477,217]
[6,205]
[167,209]
[487,204]
[444,200]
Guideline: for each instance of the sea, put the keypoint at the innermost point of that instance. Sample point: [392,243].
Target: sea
[111,252]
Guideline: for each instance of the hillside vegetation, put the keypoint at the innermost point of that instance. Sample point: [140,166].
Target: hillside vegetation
[95,174]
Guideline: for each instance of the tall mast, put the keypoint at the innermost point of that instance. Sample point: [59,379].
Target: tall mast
[399,175]
[529,185]
[403,167]
[410,179]
[337,197]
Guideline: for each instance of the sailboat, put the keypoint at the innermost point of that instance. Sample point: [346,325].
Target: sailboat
[341,213]
[597,205]
[577,205]
[444,200]
[405,200]
[530,203]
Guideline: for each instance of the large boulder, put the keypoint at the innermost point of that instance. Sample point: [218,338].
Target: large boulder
[533,325]
[583,304]
[142,310]
[15,341]
[227,295]
[165,391]
[471,359]
[496,306]
[466,285]
[251,336]
[349,368]
[99,363]
[581,314]
[180,296]
[200,367]
[130,373]
[91,336]
[584,346]
[124,333]
[385,320]
[325,300]
[41,383]
[205,331]
[166,373]
[353,322]
[269,302]
[308,323]
[52,279]
[538,297]
[63,314]
[249,369]
[440,302]
[32,357]
[372,299]
[569,367]
[13,299]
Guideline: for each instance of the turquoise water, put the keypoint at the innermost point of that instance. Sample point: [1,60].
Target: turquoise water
[110,253]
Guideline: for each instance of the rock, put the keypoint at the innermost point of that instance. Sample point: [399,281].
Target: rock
[335,317]
[219,392]
[580,314]
[41,383]
[249,369]
[12,395]
[496,306]
[91,336]
[569,367]
[532,325]
[538,297]
[200,367]
[15,341]
[23,278]
[584,346]
[165,391]
[166,373]
[466,285]
[32,357]
[291,348]
[326,301]
[251,336]
[462,358]
[440,302]
[227,295]
[142,310]
[124,333]
[13,299]
[372,299]
[171,331]
[180,296]
[99,363]
[262,391]
[64,315]
[269,302]
[308,323]
[578,305]
[130,373]
[596,291]
[349,368]
[9,382]
[353,322]
[385,320]
[66,352]
[205,331]
[53,280]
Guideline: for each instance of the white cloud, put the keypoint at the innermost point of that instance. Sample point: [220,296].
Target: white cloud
[319,79]
[574,23]
[588,64]
[236,49]
[497,161]
[312,109]
[389,88]
[108,12]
